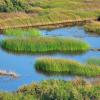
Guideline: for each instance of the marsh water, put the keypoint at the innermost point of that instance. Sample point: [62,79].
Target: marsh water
[23,64]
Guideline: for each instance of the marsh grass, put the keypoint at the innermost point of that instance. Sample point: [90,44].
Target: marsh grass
[45,45]
[22,32]
[70,67]
[93,27]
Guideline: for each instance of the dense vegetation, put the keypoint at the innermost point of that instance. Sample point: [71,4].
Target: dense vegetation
[45,45]
[56,90]
[37,12]
[93,27]
[22,32]
[64,66]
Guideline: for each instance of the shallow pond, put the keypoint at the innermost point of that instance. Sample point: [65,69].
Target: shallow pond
[23,64]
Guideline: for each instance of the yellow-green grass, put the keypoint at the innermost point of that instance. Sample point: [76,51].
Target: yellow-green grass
[45,45]
[68,67]
[22,32]
[93,27]
[40,12]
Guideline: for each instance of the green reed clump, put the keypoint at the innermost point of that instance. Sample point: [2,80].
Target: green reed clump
[45,45]
[22,32]
[94,61]
[50,65]
[93,27]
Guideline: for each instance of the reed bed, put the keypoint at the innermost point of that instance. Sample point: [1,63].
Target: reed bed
[45,45]
[93,27]
[22,32]
[70,67]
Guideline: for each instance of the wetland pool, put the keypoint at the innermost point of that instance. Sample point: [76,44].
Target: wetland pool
[23,64]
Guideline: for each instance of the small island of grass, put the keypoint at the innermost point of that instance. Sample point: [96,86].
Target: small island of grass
[45,45]
[93,27]
[70,67]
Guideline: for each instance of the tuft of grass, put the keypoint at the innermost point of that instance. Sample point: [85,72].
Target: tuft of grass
[22,32]
[94,61]
[50,65]
[45,45]
[93,27]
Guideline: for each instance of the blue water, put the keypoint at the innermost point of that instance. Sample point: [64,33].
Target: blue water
[23,64]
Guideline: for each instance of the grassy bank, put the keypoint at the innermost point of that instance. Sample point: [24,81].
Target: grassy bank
[21,13]
[22,32]
[45,45]
[56,90]
[70,67]
[93,27]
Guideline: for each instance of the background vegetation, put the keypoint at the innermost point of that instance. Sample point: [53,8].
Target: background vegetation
[29,13]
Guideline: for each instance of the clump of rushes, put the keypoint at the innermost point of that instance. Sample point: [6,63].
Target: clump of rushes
[93,27]
[94,61]
[45,45]
[22,32]
[50,65]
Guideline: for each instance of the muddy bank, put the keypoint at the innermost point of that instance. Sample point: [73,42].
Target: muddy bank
[52,25]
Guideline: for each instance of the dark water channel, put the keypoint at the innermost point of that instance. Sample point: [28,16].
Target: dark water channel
[23,64]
